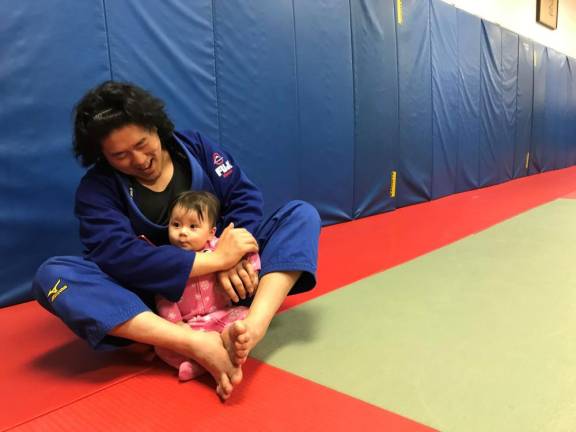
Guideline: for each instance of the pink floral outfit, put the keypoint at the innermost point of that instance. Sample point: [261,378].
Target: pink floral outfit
[203,306]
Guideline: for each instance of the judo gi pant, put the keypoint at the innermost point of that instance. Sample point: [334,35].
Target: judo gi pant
[91,303]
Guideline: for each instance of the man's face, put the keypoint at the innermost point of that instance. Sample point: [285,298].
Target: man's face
[136,152]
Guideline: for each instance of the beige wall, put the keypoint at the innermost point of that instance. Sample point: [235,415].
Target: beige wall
[520,17]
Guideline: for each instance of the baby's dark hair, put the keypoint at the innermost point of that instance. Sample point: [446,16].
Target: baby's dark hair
[205,204]
[110,106]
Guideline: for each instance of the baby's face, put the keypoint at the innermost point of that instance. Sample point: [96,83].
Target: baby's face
[187,231]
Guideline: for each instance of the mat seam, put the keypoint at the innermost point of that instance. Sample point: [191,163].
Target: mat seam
[72,402]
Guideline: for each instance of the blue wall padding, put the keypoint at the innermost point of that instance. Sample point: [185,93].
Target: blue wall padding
[571,109]
[40,80]
[326,106]
[445,97]
[316,100]
[468,117]
[553,111]
[523,106]
[551,142]
[147,38]
[509,103]
[491,106]
[561,124]
[570,115]
[537,150]
[415,108]
[375,105]
[567,124]
[545,124]
[258,93]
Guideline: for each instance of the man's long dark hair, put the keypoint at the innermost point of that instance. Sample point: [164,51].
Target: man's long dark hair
[110,106]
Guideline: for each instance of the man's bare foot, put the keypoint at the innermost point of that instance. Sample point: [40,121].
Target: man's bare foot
[240,338]
[236,341]
[214,357]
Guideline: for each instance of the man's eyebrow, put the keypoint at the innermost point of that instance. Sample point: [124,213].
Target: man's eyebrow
[135,145]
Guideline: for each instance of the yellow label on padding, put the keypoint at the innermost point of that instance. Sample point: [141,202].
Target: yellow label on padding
[393,184]
[527,159]
[399,11]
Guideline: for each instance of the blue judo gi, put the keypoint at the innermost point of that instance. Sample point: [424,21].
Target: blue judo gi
[118,275]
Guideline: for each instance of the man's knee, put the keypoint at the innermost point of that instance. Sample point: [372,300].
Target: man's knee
[52,280]
[41,283]
[304,211]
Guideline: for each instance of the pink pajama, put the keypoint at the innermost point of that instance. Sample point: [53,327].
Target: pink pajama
[203,306]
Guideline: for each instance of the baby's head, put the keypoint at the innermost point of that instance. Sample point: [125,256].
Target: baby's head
[193,218]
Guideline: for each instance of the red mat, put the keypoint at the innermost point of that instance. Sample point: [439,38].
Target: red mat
[395,237]
[51,381]
[269,400]
[44,366]
[570,195]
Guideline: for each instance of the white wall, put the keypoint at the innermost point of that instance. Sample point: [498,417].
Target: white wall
[520,17]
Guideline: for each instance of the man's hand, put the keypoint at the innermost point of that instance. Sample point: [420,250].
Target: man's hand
[233,244]
[240,281]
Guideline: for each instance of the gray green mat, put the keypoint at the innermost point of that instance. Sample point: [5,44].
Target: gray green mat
[477,336]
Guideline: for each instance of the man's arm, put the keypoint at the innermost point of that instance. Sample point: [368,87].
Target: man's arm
[110,242]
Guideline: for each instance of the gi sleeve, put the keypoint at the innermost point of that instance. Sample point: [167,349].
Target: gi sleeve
[110,242]
[241,200]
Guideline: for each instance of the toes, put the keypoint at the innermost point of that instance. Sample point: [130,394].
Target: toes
[237,340]
[221,393]
[241,345]
[242,353]
[242,338]
[228,382]
[225,387]
[236,377]
[239,328]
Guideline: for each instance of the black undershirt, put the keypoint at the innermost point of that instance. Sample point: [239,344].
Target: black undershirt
[155,205]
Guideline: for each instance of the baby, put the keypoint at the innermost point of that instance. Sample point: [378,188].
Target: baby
[203,305]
